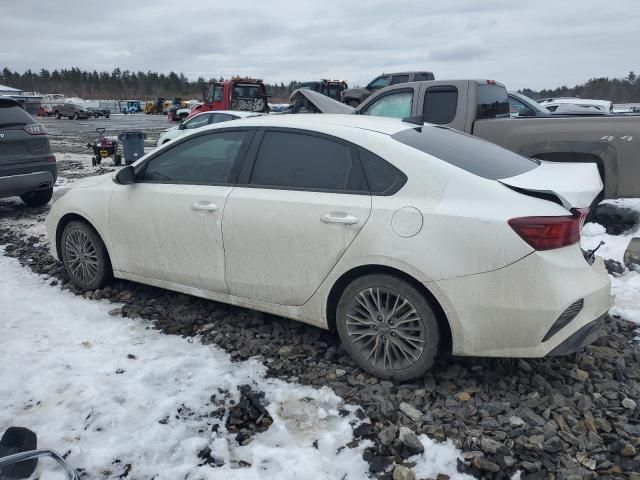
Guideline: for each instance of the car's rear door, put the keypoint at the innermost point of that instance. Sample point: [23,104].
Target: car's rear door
[167,226]
[300,202]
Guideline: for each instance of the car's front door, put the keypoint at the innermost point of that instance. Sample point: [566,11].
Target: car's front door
[168,225]
[288,223]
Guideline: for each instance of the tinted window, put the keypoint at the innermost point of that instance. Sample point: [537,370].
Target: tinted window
[215,93]
[223,117]
[492,102]
[420,76]
[293,160]
[197,122]
[383,177]
[399,79]
[206,159]
[11,112]
[440,105]
[246,91]
[396,105]
[464,151]
[378,83]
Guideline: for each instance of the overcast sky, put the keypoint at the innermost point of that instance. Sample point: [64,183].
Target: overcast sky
[536,44]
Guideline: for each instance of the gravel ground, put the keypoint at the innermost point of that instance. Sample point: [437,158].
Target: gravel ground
[557,418]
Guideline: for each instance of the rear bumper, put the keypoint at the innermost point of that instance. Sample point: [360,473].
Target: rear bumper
[509,311]
[19,179]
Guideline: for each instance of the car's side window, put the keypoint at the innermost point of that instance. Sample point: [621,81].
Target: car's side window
[379,82]
[399,79]
[298,161]
[519,109]
[383,178]
[222,117]
[440,104]
[205,160]
[199,121]
[396,105]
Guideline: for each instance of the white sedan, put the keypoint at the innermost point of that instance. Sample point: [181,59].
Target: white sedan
[410,241]
[201,120]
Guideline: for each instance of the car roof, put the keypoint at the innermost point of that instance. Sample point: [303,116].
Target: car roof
[310,121]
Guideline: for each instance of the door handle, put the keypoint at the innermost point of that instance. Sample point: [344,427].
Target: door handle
[204,206]
[339,217]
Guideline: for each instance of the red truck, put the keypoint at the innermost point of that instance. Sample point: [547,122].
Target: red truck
[245,94]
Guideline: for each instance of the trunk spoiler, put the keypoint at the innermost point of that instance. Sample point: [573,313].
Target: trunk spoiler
[576,185]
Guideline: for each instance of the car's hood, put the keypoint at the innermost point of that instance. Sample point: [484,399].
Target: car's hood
[322,102]
[575,184]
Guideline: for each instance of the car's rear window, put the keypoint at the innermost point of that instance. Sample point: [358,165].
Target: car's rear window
[477,156]
[11,113]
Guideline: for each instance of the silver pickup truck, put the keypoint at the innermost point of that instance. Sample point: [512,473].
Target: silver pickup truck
[481,108]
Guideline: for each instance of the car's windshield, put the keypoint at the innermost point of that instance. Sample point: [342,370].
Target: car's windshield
[469,153]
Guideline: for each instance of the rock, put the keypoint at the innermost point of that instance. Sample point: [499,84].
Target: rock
[628,450]
[412,442]
[489,445]
[462,396]
[115,312]
[629,404]
[579,375]
[485,465]
[516,422]
[340,372]
[584,460]
[553,445]
[388,434]
[614,267]
[400,472]
[410,411]
[531,417]
[524,366]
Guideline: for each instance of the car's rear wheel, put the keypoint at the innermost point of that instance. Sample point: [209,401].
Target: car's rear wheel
[37,198]
[84,256]
[388,327]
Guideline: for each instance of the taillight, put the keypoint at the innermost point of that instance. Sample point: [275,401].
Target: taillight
[546,233]
[35,129]
[51,158]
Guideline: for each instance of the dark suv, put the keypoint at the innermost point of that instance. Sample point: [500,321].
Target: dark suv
[27,167]
[355,96]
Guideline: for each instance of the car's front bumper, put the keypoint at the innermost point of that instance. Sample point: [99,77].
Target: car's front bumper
[509,311]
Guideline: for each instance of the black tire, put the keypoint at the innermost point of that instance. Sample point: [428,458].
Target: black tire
[411,328]
[353,103]
[117,159]
[76,116]
[58,116]
[84,256]
[37,198]
[107,115]
[94,162]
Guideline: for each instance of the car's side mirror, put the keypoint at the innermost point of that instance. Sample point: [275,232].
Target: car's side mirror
[125,176]
[181,126]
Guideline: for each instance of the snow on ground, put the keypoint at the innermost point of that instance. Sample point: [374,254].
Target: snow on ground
[626,288]
[112,392]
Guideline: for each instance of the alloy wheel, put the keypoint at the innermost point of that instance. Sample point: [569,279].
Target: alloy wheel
[385,329]
[82,257]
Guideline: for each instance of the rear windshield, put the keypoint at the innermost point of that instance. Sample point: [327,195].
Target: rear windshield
[464,151]
[11,114]
[492,102]
[246,91]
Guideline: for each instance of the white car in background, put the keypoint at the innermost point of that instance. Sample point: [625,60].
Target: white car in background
[410,240]
[553,104]
[201,120]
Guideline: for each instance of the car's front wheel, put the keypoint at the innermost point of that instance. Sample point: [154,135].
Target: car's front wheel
[388,327]
[84,256]
[37,198]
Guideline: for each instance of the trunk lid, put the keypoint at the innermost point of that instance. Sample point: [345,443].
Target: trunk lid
[576,185]
[17,146]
